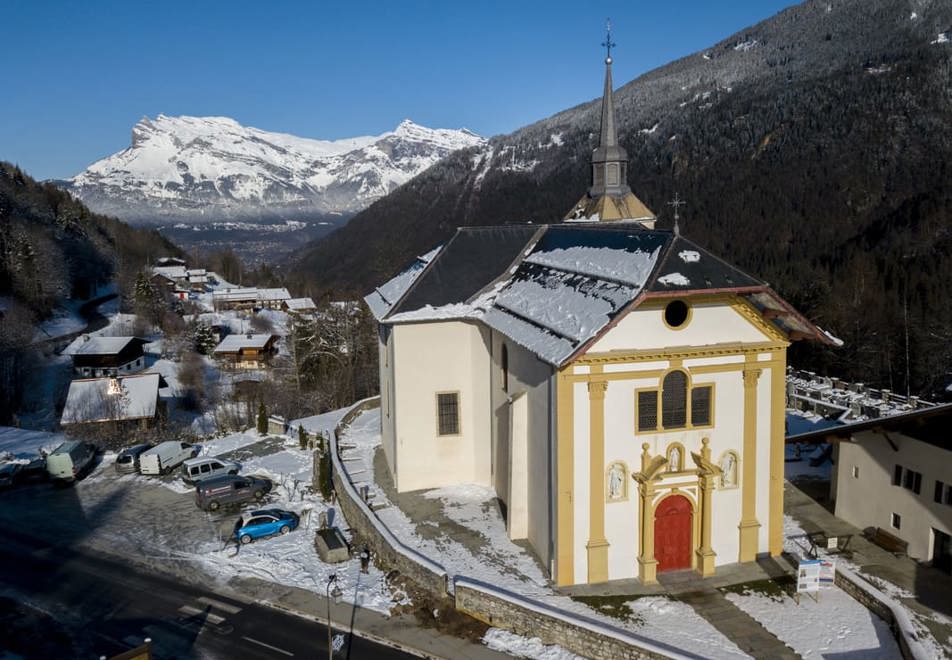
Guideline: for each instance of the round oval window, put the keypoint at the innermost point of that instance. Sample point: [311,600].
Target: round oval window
[676,313]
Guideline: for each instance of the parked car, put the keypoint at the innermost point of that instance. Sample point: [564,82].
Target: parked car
[70,461]
[14,474]
[166,456]
[211,494]
[264,522]
[207,467]
[128,458]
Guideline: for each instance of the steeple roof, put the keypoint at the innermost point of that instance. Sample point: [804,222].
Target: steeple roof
[609,198]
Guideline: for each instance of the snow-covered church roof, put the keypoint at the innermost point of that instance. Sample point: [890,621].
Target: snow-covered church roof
[554,288]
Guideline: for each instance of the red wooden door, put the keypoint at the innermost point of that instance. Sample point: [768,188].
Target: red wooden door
[673,533]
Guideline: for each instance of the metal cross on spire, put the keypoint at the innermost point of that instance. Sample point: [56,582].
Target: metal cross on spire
[608,44]
[676,204]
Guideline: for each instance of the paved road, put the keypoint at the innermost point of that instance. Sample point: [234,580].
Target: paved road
[95,320]
[108,607]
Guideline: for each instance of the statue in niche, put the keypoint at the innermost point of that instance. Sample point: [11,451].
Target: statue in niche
[729,470]
[616,481]
[674,460]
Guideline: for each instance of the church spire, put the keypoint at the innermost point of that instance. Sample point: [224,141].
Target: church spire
[609,198]
[607,136]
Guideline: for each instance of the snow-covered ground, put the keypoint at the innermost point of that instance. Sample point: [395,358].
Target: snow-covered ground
[834,625]
[19,445]
[525,647]
[796,544]
[501,562]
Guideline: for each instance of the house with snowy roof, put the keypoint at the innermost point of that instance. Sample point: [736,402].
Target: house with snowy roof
[124,400]
[249,298]
[618,386]
[106,356]
[246,351]
[299,306]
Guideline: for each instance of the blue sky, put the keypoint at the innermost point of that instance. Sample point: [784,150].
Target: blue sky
[78,75]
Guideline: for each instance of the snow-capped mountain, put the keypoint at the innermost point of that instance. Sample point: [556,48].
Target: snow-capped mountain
[202,169]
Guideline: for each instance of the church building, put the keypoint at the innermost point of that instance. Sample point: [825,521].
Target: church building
[619,387]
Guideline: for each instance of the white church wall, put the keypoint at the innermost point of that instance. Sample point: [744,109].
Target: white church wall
[431,358]
[710,323]
[385,357]
[532,378]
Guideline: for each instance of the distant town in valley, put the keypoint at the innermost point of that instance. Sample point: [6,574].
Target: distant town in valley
[665,374]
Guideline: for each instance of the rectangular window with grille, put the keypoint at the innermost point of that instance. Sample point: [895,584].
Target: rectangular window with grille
[701,405]
[648,410]
[448,411]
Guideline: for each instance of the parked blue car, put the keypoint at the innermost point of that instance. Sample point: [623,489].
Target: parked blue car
[264,522]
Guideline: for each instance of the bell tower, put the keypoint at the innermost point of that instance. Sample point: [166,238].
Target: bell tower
[609,199]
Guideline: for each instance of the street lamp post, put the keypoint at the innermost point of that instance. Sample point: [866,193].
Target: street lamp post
[336,594]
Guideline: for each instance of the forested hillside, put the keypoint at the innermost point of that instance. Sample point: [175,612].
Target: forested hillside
[53,248]
[813,149]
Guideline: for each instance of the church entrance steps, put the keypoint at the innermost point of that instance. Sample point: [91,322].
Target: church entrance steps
[736,625]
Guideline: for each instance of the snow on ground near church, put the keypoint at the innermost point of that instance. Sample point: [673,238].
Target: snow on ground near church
[796,543]
[18,445]
[496,560]
[835,625]
[525,647]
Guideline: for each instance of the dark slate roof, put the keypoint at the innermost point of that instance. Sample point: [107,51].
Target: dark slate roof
[471,260]
[553,288]
[688,267]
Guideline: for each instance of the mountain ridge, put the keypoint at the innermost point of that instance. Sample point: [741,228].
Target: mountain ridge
[803,144]
[198,169]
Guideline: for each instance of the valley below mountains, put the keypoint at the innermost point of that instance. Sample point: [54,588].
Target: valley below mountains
[813,150]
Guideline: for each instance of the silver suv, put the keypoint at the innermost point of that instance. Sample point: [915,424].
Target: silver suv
[211,494]
[195,470]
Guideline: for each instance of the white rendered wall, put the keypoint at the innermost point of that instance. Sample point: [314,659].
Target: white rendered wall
[534,379]
[644,329]
[871,499]
[440,357]
[711,323]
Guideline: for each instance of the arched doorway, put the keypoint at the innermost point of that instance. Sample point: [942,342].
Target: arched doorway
[673,533]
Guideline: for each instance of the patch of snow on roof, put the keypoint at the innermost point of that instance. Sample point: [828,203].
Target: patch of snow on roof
[549,347]
[236,342]
[93,345]
[384,297]
[297,304]
[95,400]
[833,338]
[674,279]
[618,265]
[689,256]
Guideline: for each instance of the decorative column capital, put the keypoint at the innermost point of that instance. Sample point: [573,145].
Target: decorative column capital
[751,376]
[596,389]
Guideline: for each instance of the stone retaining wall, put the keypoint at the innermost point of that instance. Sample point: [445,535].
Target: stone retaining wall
[585,637]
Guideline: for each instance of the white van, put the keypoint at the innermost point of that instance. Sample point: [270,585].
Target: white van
[70,460]
[166,456]
[206,467]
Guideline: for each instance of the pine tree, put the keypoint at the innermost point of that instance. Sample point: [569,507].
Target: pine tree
[262,419]
[201,337]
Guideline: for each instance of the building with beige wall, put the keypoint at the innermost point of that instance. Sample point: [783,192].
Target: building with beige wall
[895,474]
[620,388]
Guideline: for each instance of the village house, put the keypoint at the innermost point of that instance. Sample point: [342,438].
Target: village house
[197,279]
[893,477]
[249,298]
[95,356]
[299,306]
[619,387]
[246,351]
[129,401]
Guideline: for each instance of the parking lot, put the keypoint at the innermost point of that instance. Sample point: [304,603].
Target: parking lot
[154,521]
